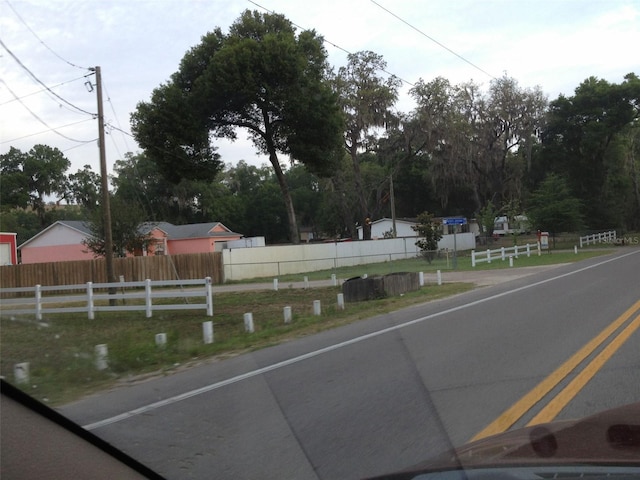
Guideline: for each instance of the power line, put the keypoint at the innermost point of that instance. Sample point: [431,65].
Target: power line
[432,39]
[333,44]
[41,120]
[40,40]
[35,78]
[44,89]
[115,116]
[45,131]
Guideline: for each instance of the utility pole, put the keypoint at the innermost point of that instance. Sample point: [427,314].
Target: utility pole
[393,207]
[106,209]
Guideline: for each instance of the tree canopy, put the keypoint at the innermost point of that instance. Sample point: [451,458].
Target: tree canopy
[260,77]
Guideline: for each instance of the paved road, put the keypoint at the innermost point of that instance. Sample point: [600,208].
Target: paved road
[387,392]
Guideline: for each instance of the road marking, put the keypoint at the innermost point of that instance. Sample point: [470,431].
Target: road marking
[553,408]
[522,406]
[330,348]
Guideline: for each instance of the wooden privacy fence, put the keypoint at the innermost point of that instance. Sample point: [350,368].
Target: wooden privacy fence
[133,269]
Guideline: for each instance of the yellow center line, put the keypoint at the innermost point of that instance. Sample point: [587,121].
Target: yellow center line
[553,408]
[522,406]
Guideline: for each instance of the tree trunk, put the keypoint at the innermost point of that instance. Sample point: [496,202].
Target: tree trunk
[364,213]
[294,234]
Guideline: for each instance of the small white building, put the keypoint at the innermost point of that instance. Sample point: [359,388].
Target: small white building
[385,226]
[465,240]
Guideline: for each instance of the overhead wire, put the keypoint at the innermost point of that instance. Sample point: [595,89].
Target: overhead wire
[35,115]
[40,40]
[44,89]
[332,44]
[46,131]
[440,44]
[36,79]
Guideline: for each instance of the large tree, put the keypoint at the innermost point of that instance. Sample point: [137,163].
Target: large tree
[260,77]
[478,142]
[367,97]
[27,178]
[586,141]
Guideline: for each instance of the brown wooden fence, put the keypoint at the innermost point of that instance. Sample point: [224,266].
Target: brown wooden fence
[169,267]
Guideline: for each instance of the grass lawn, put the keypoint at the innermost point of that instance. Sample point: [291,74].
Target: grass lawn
[443,264]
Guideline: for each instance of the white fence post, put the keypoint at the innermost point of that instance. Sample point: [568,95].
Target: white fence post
[248,322]
[287,314]
[421,279]
[316,307]
[473,258]
[21,372]
[439,277]
[275,284]
[515,251]
[208,291]
[488,255]
[334,280]
[341,301]
[528,250]
[102,354]
[502,253]
[90,306]
[161,339]
[38,300]
[306,282]
[147,297]
[207,332]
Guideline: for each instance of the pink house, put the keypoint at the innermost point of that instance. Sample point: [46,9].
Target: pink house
[62,241]
[172,239]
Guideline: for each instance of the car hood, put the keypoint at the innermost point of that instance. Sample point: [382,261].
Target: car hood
[609,438]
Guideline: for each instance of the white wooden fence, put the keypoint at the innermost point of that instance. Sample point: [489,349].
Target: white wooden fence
[99,292]
[502,253]
[606,237]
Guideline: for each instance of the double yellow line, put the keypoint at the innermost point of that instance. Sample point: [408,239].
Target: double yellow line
[551,410]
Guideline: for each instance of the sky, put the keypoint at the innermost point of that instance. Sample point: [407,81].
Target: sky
[47,93]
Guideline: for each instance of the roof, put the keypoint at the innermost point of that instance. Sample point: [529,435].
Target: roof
[398,220]
[78,225]
[174,232]
[192,230]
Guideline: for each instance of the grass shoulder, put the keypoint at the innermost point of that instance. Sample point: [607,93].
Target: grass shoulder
[60,348]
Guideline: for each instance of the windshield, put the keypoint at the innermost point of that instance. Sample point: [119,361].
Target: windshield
[324,241]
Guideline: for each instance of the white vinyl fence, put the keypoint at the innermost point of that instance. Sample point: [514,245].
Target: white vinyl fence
[38,303]
[604,237]
[502,253]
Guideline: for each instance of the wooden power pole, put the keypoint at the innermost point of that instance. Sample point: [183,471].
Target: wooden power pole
[106,209]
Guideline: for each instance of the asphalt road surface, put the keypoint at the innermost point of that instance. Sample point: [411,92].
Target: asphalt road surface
[385,393]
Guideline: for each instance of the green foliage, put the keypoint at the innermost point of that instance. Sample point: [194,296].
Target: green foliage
[553,208]
[260,77]
[487,218]
[128,229]
[430,233]
[366,98]
[85,187]
[585,143]
[27,178]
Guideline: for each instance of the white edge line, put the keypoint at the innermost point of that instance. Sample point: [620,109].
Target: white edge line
[330,348]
